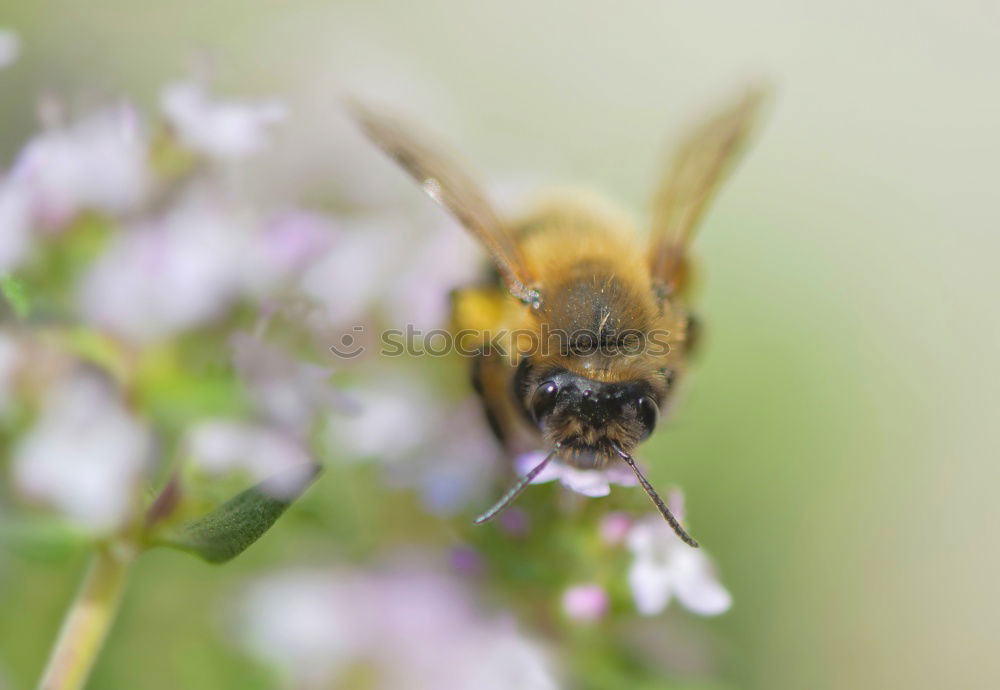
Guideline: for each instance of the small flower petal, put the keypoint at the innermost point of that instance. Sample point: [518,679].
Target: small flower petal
[592,483]
[585,603]
[221,129]
[651,586]
[696,585]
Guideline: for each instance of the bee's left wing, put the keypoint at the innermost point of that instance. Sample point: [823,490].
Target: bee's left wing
[448,185]
[694,175]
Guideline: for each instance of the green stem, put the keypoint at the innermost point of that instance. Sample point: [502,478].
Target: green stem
[88,619]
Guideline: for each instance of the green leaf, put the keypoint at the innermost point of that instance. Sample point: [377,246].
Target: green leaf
[227,531]
[16,293]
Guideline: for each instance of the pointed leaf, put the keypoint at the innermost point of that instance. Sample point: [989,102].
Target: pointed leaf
[227,531]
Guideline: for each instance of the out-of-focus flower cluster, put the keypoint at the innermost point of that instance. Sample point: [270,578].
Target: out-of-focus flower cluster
[405,628]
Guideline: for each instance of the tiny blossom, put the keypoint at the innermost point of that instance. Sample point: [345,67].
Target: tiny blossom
[663,566]
[10,47]
[585,603]
[86,454]
[465,560]
[593,483]
[615,527]
[222,446]
[98,163]
[514,521]
[220,129]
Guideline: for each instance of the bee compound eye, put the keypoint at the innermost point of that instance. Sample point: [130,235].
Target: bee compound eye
[543,400]
[649,413]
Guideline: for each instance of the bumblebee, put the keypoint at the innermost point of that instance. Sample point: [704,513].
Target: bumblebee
[585,331]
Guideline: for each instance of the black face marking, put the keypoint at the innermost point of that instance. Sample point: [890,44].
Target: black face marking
[586,417]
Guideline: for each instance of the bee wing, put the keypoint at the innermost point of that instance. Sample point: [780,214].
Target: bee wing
[448,185]
[693,176]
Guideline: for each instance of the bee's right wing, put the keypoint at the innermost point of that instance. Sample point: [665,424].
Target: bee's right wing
[695,173]
[448,185]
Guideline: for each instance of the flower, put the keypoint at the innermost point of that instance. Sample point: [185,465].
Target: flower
[10,47]
[410,628]
[663,566]
[593,483]
[614,527]
[585,603]
[219,129]
[171,273]
[86,455]
[97,163]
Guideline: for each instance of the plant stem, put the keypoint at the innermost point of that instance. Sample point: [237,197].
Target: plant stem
[88,619]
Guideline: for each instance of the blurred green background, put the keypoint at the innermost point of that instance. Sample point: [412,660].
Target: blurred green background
[838,443]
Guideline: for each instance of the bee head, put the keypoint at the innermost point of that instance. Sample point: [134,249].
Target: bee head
[587,418]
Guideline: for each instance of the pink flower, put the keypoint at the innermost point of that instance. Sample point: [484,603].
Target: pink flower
[663,567]
[593,483]
[615,527]
[220,129]
[585,603]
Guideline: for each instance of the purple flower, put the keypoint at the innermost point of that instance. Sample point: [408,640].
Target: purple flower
[593,483]
[585,603]
[663,567]
[219,129]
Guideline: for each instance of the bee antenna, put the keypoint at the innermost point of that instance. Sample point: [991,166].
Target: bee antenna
[651,492]
[515,490]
